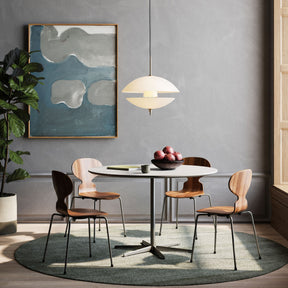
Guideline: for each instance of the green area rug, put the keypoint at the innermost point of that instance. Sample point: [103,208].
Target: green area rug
[146,269]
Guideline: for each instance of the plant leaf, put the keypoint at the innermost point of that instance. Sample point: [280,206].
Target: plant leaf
[15,157]
[31,92]
[24,58]
[7,106]
[16,125]
[4,143]
[22,114]
[18,174]
[2,152]
[33,67]
[31,101]
[23,153]
[17,72]
[20,78]
[3,129]
[30,80]
[11,58]
[4,89]
[14,85]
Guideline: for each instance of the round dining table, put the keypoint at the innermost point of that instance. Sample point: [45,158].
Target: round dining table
[183,171]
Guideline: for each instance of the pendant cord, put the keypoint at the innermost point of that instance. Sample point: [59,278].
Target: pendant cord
[150,53]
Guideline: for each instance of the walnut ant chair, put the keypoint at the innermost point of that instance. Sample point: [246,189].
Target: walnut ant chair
[63,187]
[239,184]
[87,189]
[192,188]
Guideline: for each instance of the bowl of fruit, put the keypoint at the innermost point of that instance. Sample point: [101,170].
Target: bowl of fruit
[167,158]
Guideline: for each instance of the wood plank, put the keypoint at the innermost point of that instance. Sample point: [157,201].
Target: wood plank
[284,144]
[284,3]
[284,38]
[282,188]
[284,124]
[279,204]
[284,11]
[284,99]
[279,219]
[283,68]
[277,91]
[280,195]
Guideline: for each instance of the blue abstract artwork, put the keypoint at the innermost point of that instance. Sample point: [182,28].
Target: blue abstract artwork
[78,97]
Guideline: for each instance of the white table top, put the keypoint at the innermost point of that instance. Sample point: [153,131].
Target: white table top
[180,172]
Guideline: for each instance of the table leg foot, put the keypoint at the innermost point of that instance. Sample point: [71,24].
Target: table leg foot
[170,248]
[155,251]
[145,243]
[138,251]
[144,247]
[128,247]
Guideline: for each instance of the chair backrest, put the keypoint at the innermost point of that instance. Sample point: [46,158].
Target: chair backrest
[198,161]
[63,187]
[193,184]
[80,169]
[239,184]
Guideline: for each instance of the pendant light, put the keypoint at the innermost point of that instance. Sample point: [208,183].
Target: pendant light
[150,86]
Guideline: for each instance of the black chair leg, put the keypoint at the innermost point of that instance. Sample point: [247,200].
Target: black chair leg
[215,236]
[71,206]
[194,205]
[49,231]
[72,201]
[210,203]
[99,228]
[209,198]
[122,216]
[255,233]
[66,229]
[233,243]
[94,231]
[67,245]
[177,211]
[162,214]
[89,232]
[108,239]
[194,237]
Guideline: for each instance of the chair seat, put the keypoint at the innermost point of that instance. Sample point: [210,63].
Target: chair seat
[182,194]
[100,195]
[82,212]
[218,210]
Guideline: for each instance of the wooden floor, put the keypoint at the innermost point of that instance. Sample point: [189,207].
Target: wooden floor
[14,275]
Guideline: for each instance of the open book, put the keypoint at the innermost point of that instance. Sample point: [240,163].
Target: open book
[124,167]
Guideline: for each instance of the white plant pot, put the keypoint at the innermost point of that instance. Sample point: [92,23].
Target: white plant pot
[8,214]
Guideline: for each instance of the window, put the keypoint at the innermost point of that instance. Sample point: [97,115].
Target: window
[280,92]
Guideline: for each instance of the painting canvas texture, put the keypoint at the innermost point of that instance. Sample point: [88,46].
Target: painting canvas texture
[79,95]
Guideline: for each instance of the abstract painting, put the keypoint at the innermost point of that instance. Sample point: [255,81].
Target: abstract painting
[78,98]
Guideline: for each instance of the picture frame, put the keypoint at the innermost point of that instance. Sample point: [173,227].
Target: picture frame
[79,95]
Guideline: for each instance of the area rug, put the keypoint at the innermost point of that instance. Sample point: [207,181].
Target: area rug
[146,269]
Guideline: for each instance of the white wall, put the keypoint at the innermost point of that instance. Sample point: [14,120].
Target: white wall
[217,52]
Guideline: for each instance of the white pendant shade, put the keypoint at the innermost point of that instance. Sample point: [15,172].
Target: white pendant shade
[150,83]
[150,103]
[150,86]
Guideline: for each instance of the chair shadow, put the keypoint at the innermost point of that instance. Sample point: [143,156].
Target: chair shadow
[137,233]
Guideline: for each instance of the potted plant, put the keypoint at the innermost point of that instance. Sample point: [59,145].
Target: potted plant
[16,91]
